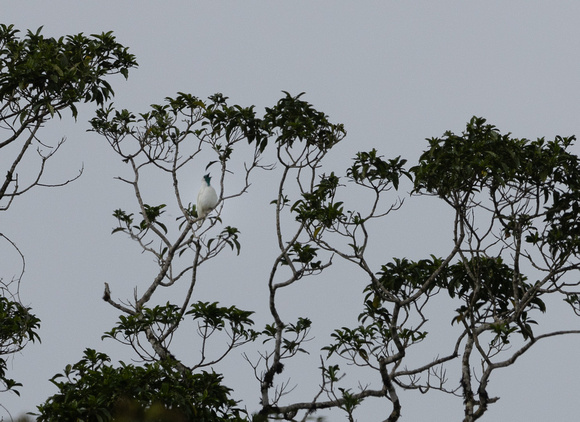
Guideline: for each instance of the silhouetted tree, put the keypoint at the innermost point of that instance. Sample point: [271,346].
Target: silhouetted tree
[39,78]
[515,239]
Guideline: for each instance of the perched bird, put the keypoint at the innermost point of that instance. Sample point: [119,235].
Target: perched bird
[207,198]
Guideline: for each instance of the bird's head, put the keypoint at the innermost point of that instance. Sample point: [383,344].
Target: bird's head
[207,178]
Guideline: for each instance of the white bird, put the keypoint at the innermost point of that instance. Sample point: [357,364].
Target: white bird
[207,197]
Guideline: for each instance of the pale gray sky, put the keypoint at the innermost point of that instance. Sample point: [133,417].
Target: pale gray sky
[393,72]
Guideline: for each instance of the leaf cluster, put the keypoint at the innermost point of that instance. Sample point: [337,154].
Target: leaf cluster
[293,336]
[168,316]
[92,390]
[513,171]
[46,75]
[293,119]
[216,317]
[403,277]
[151,213]
[290,120]
[369,167]
[317,207]
[234,121]
[303,254]
[18,326]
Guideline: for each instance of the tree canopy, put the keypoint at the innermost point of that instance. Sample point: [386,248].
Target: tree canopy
[39,78]
[514,243]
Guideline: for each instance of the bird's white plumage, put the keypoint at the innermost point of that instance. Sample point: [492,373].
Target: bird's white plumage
[207,198]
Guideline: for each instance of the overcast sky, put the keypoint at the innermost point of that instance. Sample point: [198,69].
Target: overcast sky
[394,73]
